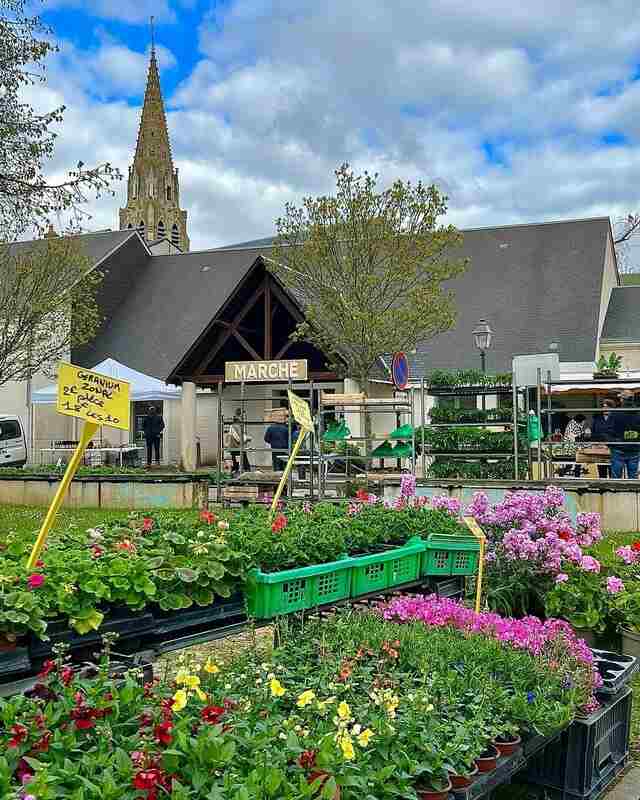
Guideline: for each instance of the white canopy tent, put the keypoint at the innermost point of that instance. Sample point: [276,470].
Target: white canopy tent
[144,388]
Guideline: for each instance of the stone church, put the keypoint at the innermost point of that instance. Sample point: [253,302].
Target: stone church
[153,188]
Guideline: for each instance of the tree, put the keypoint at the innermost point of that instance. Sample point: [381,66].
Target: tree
[625,232]
[369,266]
[47,305]
[27,138]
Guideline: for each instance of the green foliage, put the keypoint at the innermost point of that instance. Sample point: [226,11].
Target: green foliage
[369,265]
[609,364]
[447,414]
[455,439]
[504,469]
[582,600]
[466,378]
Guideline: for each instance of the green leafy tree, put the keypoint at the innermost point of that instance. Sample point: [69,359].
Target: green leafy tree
[369,265]
[28,198]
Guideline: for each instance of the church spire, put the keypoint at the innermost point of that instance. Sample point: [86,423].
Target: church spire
[153,191]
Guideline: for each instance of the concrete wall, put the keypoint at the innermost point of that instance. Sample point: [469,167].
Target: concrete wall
[131,495]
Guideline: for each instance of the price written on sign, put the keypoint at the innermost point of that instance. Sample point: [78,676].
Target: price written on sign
[93,397]
[301,411]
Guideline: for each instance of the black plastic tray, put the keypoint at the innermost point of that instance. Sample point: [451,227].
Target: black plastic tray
[616,670]
[196,616]
[15,661]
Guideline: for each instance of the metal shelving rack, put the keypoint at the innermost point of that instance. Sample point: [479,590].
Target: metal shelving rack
[545,446]
[399,407]
[519,397]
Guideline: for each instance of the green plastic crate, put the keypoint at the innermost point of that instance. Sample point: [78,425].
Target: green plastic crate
[391,568]
[272,594]
[450,555]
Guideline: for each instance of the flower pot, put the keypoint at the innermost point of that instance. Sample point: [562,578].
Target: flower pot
[488,761]
[508,747]
[588,635]
[630,643]
[8,642]
[434,794]
[323,777]
[464,781]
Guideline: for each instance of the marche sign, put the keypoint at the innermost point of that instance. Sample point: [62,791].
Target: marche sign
[302,415]
[97,400]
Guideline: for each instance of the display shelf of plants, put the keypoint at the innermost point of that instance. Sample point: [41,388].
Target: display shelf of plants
[158,576]
[460,442]
[336,439]
[452,383]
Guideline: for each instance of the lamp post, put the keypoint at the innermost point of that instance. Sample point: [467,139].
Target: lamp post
[482,335]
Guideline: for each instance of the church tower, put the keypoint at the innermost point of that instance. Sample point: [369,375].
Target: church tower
[153,190]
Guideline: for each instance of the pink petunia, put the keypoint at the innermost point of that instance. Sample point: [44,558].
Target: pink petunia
[35,581]
[562,577]
[614,585]
[590,564]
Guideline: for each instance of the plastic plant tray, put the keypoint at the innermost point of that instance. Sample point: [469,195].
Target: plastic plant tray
[447,554]
[391,568]
[14,661]
[616,670]
[272,594]
[196,616]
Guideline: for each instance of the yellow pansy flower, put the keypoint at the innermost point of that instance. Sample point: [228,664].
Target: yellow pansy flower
[365,737]
[346,745]
[305,698]
[344,712]
[182,675]
[211,667]
[179,700]
[191,681]
[201,695]
[277,689]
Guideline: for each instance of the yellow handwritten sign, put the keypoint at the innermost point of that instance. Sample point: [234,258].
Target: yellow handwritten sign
[99,399]
[301,411]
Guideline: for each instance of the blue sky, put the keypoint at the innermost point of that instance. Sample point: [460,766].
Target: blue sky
[520,113]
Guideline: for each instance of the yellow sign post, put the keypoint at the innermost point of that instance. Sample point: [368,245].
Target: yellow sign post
[477,532]
[96,399]
[302,415]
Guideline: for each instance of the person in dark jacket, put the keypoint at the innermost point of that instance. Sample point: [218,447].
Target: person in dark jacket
[277,437]
[152,427]
[625,424]
[603,430]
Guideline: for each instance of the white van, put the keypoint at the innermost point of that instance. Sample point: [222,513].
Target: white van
[13,445]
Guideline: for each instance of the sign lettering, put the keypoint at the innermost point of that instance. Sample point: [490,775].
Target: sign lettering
[265,371]
[92,397]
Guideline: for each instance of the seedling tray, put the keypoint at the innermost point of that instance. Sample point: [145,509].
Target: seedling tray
[273,594]
[196,616]
[14,661]
[616,670]
[394,567]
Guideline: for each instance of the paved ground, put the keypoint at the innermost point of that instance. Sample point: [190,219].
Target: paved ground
[628,788]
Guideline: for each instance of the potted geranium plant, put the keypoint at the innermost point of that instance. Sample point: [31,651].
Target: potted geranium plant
[608,367]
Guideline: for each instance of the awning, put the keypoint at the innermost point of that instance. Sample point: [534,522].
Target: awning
[143,387]
[585,384]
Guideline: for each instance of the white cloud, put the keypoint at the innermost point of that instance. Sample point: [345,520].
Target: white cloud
[285,92]
[132,11]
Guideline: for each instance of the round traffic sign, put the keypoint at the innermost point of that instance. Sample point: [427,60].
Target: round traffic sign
[400,371]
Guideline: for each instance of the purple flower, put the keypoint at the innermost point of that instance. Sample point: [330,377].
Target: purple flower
[408,485]
[614,585]
[561,577]
[627,554]
[590,564]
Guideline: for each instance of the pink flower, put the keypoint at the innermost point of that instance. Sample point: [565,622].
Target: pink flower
[627,554]
[35,581]
[561,577]
[147,524]
[614,585]
[590,564]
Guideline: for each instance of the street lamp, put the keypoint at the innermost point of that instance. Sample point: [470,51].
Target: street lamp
[482,334]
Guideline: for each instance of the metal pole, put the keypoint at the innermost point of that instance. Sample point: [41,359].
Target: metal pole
[220,443]
[549,447]
[526,416]
[321,478]
[422,417]
[515,425]
[483,363]
[312,443]
[413,434]
[242,418]
[539,412]
[290,477]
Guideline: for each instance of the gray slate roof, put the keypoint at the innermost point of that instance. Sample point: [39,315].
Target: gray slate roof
[96,246]
[165,309]
[622,323]
[534,283]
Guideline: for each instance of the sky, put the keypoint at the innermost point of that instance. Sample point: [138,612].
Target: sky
[520,112]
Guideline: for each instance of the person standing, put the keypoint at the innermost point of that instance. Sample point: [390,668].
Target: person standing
[627,454]
[574,432]
[277,437]
[235,437]
[603,430]
[152,427]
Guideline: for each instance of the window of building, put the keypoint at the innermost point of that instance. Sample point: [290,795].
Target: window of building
[168,193]
[175,234]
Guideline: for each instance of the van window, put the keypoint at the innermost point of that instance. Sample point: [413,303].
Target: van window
[9,429]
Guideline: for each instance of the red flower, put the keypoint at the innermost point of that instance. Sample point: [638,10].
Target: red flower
[96,551]
[211,714]
[564,535]
[162,733]
[126,545]
[39,563]
[42,745]
[229,704]
[362,495]
[208,516]
[147,779]
[84,717]
[23,770]
[308,759]
[35,581]
[167,708]
[279,523]
[18,735]
[48,667]
[636,546]
[147,524]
